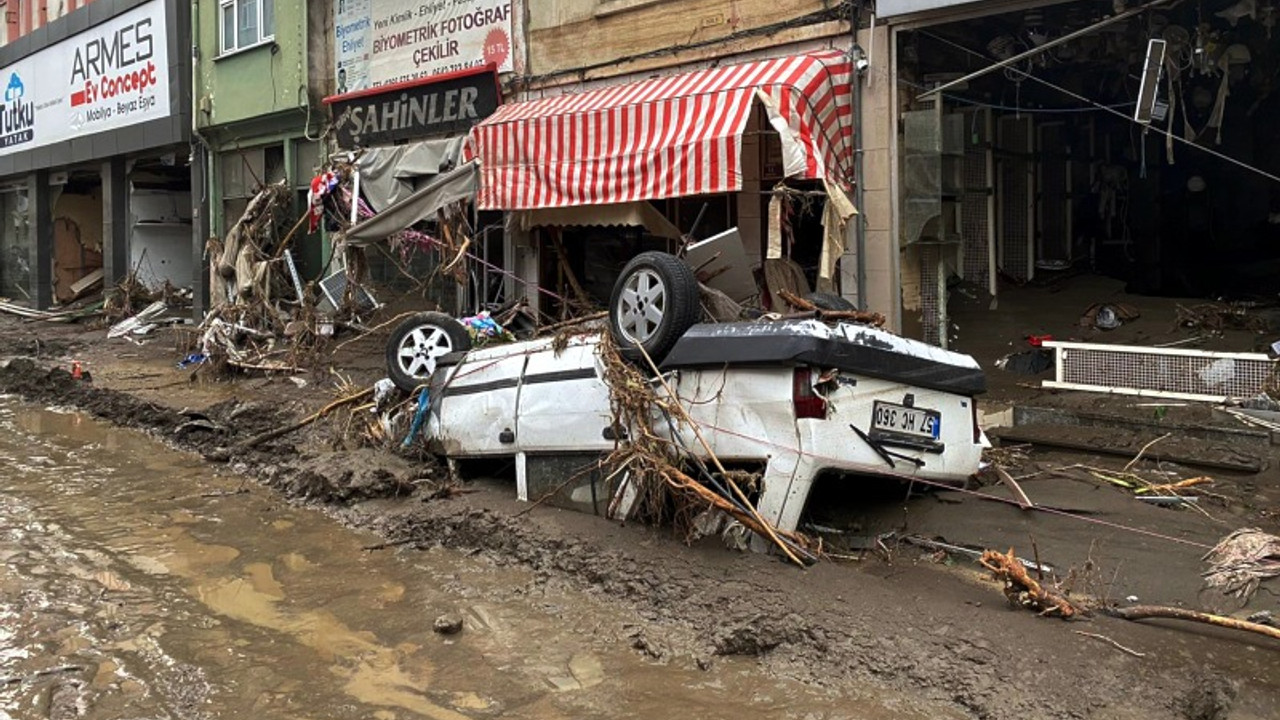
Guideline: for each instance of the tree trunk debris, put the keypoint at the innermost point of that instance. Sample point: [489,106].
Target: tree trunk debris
[1023,590]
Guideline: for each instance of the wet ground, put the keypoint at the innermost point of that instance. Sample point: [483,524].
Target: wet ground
[910,634]
[136,582]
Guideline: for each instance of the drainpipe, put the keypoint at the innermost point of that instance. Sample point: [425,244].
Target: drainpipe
[860,220]
[198,141]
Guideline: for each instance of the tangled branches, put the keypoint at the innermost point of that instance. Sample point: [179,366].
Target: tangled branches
[655,462]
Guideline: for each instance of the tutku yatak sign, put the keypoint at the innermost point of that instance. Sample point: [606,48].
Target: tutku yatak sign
[110,76]
[434,107]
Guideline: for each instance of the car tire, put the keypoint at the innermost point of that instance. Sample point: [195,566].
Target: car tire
[654,302]
[418,343]
[828,301]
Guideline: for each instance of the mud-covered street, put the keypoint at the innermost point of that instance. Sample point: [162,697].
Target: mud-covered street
[137,583]
[141,580]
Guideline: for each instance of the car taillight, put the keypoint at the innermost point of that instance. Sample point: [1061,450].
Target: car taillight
[809,404]
[977,429]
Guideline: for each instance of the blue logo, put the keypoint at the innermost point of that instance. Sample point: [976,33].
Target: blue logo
[16,90]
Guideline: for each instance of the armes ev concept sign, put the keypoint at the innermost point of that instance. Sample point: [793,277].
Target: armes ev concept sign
[110,76]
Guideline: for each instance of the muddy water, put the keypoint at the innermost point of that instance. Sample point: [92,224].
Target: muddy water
[137,584]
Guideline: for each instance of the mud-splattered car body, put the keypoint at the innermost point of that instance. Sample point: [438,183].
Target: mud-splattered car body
[797,398]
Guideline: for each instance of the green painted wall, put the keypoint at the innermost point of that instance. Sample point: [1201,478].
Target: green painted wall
[261,81]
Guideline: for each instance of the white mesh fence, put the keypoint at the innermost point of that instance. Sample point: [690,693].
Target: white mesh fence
[1159,372]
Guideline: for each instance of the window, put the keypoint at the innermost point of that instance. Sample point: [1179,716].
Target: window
[246,23]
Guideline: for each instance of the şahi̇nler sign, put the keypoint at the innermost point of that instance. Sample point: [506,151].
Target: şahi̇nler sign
[383,42]
[110,76]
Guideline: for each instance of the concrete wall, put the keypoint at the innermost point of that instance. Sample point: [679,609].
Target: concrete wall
[259,81]
[879,141]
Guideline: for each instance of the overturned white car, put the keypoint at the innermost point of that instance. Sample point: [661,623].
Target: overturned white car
[796,398]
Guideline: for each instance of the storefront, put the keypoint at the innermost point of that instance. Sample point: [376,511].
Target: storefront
[401,137]
[757,147]
[95,178]
[410,81]
[1030,160]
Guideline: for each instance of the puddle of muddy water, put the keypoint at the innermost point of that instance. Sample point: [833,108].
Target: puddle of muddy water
[137,583]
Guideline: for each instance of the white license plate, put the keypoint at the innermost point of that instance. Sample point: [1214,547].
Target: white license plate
[902,420]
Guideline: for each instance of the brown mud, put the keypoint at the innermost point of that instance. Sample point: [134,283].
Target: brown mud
[939,633]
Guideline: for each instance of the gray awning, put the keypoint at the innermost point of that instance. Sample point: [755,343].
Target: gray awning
[455,185]
[631,214]
[391,174]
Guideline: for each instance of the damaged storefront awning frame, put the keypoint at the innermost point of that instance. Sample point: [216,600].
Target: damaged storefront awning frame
[666,137]
[636,214]
[453,186]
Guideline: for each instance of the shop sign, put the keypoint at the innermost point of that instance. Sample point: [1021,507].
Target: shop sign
[442,106]
[386,42]
[890,8]
[110,76]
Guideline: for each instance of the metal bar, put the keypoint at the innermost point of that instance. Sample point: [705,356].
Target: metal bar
[1144,350]
[1132,12]
[1136,392]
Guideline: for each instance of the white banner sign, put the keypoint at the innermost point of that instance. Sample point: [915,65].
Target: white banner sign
[110,76]
[381,42]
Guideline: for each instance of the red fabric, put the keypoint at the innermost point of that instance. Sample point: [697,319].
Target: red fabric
[664,137]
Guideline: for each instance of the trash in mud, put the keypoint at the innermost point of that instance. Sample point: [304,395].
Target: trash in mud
[1214,318]
[1109,316]
[1028,362]
[1242,561]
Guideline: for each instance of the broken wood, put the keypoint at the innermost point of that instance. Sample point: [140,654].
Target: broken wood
[1024,502]
[1146,612]
[1118,646]
[1017,436]
[554,327]
[859,316]
[1023,590]
[796,301]
[225,454]
[1137,458]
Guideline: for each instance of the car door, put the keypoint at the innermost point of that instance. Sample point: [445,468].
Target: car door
[476,410]
[563,402]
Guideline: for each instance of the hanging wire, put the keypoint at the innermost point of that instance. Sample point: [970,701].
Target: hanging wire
[1146,128]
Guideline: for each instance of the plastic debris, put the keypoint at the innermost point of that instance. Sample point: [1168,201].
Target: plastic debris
[483,328]
[424,402]
[383,390]
[192,359]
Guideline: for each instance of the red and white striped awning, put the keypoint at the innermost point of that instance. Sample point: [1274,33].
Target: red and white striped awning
[666,137]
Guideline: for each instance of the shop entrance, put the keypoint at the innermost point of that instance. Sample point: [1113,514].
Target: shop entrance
[1030,193]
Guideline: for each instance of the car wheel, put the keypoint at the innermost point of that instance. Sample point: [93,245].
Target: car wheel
[654,302]
[827,301]
[418,343]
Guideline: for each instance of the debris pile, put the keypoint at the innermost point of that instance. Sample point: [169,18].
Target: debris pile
[261,316]
[1242,561]
[1214,318]
[656,466]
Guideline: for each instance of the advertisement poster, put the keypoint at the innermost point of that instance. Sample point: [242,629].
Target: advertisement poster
[108,77]
[382,42]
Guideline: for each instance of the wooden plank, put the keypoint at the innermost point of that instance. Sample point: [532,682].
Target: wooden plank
[1015,435]
[86,282]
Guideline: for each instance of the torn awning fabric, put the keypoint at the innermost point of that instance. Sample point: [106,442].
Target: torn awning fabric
[666,137]
[453,186]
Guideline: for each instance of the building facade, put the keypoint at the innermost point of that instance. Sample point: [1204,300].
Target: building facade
[262,71]
[95,174]
[577,47]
